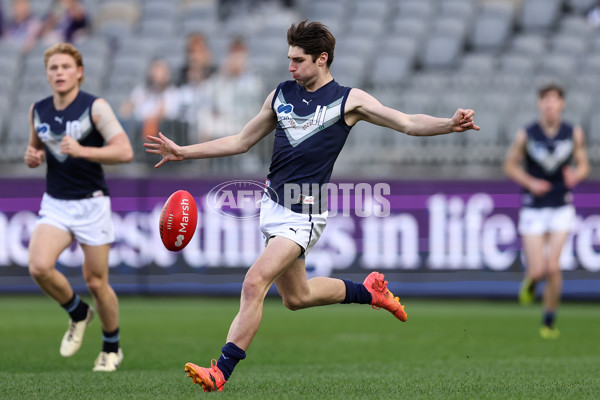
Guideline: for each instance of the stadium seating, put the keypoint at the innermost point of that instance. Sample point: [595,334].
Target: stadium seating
[391,69]
[428,56]
[491,29]
[441,52]
[539,15]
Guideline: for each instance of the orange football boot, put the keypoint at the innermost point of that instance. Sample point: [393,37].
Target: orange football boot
[382,297]
[211,379]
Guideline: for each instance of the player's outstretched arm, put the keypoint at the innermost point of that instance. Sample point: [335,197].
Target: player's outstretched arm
[362,106]
[255,130]
[34,154]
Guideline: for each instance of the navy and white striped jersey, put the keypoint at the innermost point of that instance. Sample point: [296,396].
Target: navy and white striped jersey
[68,177]
[545,158]
[311,132]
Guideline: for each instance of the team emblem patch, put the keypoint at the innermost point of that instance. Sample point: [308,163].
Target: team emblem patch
[285,108]
[43,131]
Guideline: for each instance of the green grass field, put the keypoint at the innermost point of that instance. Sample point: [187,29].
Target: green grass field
[446,350]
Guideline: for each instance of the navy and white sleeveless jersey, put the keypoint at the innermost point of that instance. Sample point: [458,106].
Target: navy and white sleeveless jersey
[311,132]
[68,177]
[545,158]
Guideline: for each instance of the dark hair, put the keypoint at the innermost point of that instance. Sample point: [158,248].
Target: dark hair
[314,38]
[551,87]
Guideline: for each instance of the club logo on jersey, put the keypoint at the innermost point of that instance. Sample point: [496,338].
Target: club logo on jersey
[285,108]
[43,131]
[78,129]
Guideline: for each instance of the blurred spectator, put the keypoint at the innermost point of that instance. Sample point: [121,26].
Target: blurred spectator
[152,102]
[198,57]
[67,21]
[235,95]
[23,28]
[593,16]
[193,96]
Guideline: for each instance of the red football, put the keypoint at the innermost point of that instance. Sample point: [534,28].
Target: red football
[178,220]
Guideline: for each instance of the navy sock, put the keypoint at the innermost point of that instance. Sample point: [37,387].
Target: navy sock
[76,308]
[356,293]
[549,319]
[110,341]
[230,356]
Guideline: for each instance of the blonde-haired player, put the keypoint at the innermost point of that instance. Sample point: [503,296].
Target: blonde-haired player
[69,130]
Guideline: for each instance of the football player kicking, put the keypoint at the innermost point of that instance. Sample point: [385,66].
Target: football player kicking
[312,115]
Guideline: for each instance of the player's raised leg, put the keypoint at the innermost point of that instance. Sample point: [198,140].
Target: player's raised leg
[46,244]
[95,273]
[277,257]
[297,292]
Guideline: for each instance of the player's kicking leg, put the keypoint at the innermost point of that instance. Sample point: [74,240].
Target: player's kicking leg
[297,292]
[211,379]
[279,254]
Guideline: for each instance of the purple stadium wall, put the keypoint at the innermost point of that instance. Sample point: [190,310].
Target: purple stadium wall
[440,239]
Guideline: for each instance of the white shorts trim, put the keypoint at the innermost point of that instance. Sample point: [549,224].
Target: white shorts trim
[88,220]
[538,221]
[304,229]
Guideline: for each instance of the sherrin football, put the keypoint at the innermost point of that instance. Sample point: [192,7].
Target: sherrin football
[178,220]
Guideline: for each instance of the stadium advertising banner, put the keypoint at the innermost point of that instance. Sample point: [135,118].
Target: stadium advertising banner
[430,238]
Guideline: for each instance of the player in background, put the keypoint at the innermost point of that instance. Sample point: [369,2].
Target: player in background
[539,160]
[68,130]
[312,115]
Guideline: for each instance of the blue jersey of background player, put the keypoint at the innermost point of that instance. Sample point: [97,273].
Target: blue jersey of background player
[539,161]
[69,129]
[69,177]
[545,158]
[290,235]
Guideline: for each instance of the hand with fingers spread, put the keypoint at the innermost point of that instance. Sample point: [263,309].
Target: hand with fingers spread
[463,121]
[165,147]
